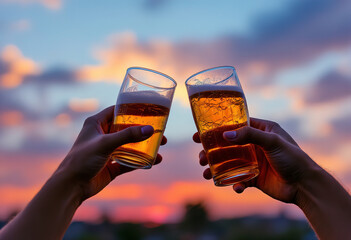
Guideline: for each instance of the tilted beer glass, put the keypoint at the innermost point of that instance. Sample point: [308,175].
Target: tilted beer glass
[218,105]
[144,99]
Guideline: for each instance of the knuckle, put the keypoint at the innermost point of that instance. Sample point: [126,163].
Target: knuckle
[131,133]
[101,141]
[88,121]
[274,125]
[274,141]
[245,133]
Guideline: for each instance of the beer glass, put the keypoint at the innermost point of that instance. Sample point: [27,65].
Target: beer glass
[218,104]
[145,98]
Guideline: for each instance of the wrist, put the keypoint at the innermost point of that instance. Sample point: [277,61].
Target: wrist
[67,185]
[309,182]
[326,204]
[309,177]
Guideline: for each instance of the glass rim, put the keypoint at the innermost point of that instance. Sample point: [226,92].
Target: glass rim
[211,69]
[152,71]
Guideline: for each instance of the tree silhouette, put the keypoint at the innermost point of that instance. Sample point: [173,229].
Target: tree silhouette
[195,218]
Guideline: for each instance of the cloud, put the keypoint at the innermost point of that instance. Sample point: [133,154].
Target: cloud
[303,31]
[51,4]
[151,213]
[44,144]
[124,50]
[166,204]
[12,104]
[53,76]
[84,105]
[25,128]
[11,118]
[306,31]
[329,88]
[30,121]
[15,196]
[63,120]
[25,170]
[14,67]
[342,127]
[176,165]
[292,125]
[27,109]
[126,191]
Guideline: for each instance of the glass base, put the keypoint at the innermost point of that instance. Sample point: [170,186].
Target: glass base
[131,160]
[236,176]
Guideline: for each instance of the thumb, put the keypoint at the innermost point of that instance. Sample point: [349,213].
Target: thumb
[267,140]
[110,142]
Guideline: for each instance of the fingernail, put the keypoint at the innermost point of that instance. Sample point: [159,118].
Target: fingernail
[230,135]
[147,130]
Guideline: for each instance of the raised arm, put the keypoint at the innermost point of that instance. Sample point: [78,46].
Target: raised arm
[288,174]
[84,172]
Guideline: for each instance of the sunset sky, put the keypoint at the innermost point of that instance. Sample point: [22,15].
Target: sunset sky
[62,61]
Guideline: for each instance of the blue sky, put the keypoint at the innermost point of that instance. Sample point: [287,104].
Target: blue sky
[65,36]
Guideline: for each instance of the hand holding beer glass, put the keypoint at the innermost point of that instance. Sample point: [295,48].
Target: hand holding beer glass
[218,105]
[144,99]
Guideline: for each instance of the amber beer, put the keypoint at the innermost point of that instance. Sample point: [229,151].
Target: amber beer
[140,108]
[217,109]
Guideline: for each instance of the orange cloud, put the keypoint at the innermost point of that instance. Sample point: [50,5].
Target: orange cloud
[51,4]
[41,167]
[189,191]
[114,192]
[84,105]
[63,120]
[17,67]
[11,118]
[332,162]
[154,203]
[14,196]
[153,213]
[124,51]
[87,213]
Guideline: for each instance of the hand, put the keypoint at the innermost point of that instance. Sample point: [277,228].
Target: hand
[281,161]
[87,163]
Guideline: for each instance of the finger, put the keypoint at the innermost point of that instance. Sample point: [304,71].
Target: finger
[239,187]
[207,174]
[102,119]
[267,140]
[203,159]
[270,126]
[115,169]
[164,140]
[109,142]
[105,115]
[158,159]
[262,124]
[196,137]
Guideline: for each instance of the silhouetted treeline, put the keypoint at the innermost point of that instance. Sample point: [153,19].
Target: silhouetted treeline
[195,225]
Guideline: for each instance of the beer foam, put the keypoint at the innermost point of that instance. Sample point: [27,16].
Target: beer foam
[192,89]
[150,97]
